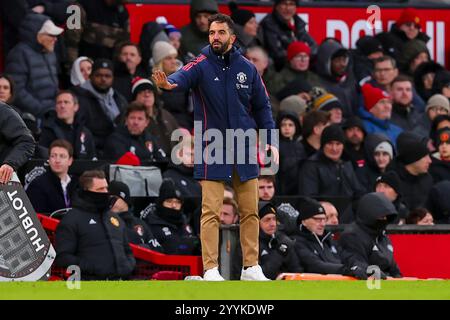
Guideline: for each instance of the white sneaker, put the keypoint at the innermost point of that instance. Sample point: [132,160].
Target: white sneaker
[213,275]
[254,273]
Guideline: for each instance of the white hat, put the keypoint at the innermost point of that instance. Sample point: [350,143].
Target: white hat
[50,28]
[385,147]
[162,49]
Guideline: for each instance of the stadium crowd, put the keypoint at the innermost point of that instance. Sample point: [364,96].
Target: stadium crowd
[364,134]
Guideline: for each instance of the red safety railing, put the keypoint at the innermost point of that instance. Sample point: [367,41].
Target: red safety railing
[149,264]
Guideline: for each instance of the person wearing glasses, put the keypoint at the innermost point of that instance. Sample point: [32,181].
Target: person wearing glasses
[315,247]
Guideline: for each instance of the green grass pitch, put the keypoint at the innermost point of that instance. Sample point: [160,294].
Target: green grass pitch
[229,290]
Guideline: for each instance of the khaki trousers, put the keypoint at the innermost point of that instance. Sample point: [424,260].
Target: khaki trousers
[212,200]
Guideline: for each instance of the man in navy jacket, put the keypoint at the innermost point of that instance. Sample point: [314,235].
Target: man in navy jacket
[228,93]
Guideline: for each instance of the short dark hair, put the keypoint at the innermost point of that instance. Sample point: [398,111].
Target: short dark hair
[402,78]
[312,119]
[74,97]
[128,44]
[87,177]
[221,18]
[12,86]
[61,143]
[416,215]
[385,58]
[136,106]
[268,178]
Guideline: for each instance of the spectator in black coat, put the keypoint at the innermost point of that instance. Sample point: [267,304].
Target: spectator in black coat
[100,104]
[364,243]
[283,26]
[33,66]
[168,222]
[355,134]
[276,250]
[315,248]
[368,49]
[424,77]
[412,165]
[54,189]
[325,174]
[404,113]
[91,236]
[439,202]
[291,153]
[134,138]
[440,161]
[137,230]
[128,65]
[436,105]
[67,125]
[314,123]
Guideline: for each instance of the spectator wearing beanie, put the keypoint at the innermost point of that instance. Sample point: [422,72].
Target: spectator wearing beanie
[368,48]
[329,102]
[389,184]
[176,102]
[276,250]
[412,165]
[100,105]
[334,68]
[441,121]
[283,26]
[169,224]
[315,247]
[291,151]
[379,152]
[246,28]
[137,230]
[376,112]
[295,76]
[162,122]
[355,135]
[408,27]
[440,160]
[325,174]
[294,104]
[438,104]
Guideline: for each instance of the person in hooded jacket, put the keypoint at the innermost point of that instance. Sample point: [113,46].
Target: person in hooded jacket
[379,152]
[81,70]
[355,135]
[424,78]
[283,26]
[334,68]
[137,230]
[276,250]
[33,65]
[368,48]
[291,153]
[91,236]
[364,243]
[440,160]
[315,247]
[168,222]
[389,184]
[194,36]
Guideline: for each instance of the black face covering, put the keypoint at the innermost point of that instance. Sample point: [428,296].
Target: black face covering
[381,225]
[170,215]
[101,200]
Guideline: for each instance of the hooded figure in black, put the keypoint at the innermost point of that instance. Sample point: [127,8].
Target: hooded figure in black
[276,250]
[94,238]
[375,142]
[439,202]
[315,247]
[364,243]
[291,155]
[390,179]
[137,230]
[424,78]
[168,222]
[440,167]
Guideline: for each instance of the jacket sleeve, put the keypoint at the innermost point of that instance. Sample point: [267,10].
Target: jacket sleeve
[18,138]
[128,252]
[187,77]
[271,263]
[354,255]
[37,197]
[113,148]
[273,44]
[260,103]
[66,243]
[17,67]
[313,263]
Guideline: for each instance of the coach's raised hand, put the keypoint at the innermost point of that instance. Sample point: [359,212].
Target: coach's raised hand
[160,79]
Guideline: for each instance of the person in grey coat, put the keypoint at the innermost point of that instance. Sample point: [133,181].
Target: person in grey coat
[32,64]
